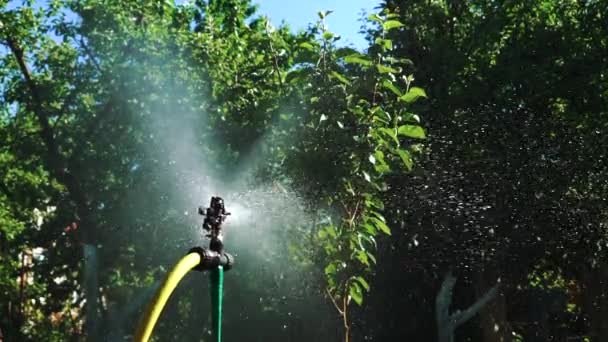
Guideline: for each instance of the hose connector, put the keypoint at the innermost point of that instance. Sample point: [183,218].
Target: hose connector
[210,259]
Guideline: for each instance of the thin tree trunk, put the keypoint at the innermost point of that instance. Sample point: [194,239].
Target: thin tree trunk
[448,322]
[494,322]
[91,290]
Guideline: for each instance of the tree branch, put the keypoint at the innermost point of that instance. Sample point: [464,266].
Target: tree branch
[334,302]
[461,317]
[446,322]
[55,161]
[90,54]
[46,133]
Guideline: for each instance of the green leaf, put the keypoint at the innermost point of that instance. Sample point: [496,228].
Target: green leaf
[331,231]
[379,155]
[390,86]
[377,215]
[411,131]
[322,234]
[380,164]
[363,283]
[373,202]
[339,77]
[382,168]
[395,60]
[357,59]
[354,291]
[375,17]
[383,69]
[331,269]
[362,257]
[308,46]
[327,35]
[391,24]
[371,257]
[381,119]
[406,158]
[369,228]
[386,44]
[411,117]
[323,14]
[413,94]
[377,111]
[381,225]
[392,133]
[366,176]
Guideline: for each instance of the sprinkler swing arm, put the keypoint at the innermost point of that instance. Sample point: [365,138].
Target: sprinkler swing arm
[212,259]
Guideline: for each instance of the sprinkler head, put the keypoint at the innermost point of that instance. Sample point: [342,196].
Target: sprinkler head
[215,215]
[215,256]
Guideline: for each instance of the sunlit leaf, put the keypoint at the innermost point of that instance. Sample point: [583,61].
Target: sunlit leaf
[375,17]
[383,69]
[363,283]
[308,46]
[381,225]
[406,158]
[386,44]
[327,35]
[354,291]
[367,176]
[339,77]
[371,257]
[411,131]
[357,59]
[390,86]
[391,24]
[362,257]
[369,228]
[372,159]
[413,94]
[323,14]
[331,268]
[392,133]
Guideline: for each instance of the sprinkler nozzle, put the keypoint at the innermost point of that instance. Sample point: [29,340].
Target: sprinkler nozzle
[215,215]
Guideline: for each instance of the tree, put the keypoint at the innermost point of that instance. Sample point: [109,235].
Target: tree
[498,187]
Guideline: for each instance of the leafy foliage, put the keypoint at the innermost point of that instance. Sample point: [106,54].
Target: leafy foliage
[491,165]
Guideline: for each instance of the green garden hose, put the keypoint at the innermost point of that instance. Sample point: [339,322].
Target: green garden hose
[216,280]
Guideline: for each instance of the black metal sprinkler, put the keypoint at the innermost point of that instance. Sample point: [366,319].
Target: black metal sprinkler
[215,215]
[215,256]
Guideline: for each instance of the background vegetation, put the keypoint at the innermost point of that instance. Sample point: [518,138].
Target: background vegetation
[468,139]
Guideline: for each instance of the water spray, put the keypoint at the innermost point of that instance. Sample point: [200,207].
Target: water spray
[213,259]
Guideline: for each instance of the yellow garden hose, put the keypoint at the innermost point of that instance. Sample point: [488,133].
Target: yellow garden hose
[144,330]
